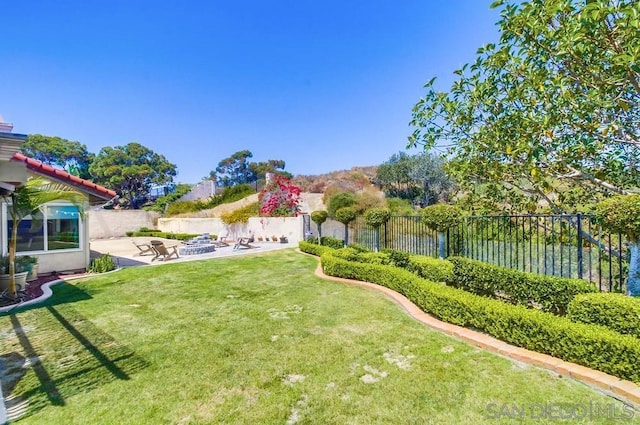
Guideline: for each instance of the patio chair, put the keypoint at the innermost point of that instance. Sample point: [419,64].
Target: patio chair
[244,242]
[223,239]
[164,253]
[145,249]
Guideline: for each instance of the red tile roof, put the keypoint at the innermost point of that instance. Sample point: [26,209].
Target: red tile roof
[64,177]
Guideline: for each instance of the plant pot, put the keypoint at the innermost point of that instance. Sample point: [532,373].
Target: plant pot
[33,272]
[21,281]
[284,240]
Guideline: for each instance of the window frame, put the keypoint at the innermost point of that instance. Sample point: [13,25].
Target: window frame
[45,211]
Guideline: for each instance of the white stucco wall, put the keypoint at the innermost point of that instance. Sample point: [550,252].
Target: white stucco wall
[104,224]
[291,227]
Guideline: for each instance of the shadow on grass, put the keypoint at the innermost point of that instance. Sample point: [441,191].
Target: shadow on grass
[63,354]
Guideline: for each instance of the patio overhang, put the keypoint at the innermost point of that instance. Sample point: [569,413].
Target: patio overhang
[11,172]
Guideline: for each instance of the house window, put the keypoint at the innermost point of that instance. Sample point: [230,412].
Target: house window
[56,228]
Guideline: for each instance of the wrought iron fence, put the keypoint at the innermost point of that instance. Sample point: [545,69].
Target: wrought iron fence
[558,245]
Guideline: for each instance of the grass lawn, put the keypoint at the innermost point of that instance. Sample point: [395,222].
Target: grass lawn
[258,339]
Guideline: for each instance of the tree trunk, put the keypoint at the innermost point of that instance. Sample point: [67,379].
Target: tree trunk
[346,234]
[319,234]
[376,247]
[441,252]
[633,285]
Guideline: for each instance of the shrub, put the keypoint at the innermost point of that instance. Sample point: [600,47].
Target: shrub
[397,258]
[549,293]
[433,269]
[441,217]
[331,242]
[319,217]
[615,311]
[359,247]
[314,249]
[590,345]
[102,264]
[340,200]
[376,217]
[242,215]
[165,235]
[345,215]
[621,214]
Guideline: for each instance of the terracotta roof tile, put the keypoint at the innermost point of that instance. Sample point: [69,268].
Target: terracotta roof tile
[64,177]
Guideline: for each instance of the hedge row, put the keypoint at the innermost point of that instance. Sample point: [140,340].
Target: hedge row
[426,267]
[312,248]
[615,311]
[593,346]
[548,293]
[166,235]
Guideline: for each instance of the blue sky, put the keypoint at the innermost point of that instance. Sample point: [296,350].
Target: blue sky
[323,85]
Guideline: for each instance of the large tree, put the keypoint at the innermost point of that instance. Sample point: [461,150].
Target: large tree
[420,178]
[70,155]
[234,170]
[551,112]
[131,170]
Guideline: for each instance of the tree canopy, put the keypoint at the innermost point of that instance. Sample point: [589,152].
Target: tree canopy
[549,113]
[237,169]
[420,178]
[72,156]
[130,170]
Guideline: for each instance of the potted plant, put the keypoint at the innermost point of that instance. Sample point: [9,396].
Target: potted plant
[27,200]
[274,238]
[283,239]
[20,275]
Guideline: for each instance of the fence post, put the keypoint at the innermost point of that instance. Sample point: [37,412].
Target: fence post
[579,229]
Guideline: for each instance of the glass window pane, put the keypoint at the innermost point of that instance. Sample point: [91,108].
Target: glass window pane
[63,226]
[30,233]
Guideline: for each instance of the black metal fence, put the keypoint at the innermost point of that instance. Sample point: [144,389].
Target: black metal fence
[559,245]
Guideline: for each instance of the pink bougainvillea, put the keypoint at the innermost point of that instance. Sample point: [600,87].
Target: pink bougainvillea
[280,198]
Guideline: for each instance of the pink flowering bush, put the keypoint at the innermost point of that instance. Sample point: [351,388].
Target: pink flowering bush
[280,198]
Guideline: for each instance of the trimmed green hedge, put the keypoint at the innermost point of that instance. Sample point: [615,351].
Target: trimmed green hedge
[548,293]
[167,235]
[430,268]
[593,346]
[312,248]
[615,311]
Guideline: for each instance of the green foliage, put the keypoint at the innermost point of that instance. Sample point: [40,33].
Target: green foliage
[548,293]
[530,118]
[359,247]
[340,200]
[164,235]
[319,217]
[242,215]
[23,263]
[228,195]
[237,170]
[331,242]
[441,217]
[434,269]
[345,215]
[400,207]
[162,203]
[376,217]
[397,258]
[73,157]
[313,248]
[618,312]
[130,170]
[592,346]
[102,264]
[621,214]
[417,178]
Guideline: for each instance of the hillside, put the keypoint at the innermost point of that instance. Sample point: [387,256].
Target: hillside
[353,180]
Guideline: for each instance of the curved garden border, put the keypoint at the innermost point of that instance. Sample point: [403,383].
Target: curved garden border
[616,387]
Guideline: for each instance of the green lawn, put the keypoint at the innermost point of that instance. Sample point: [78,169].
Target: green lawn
[258,339]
